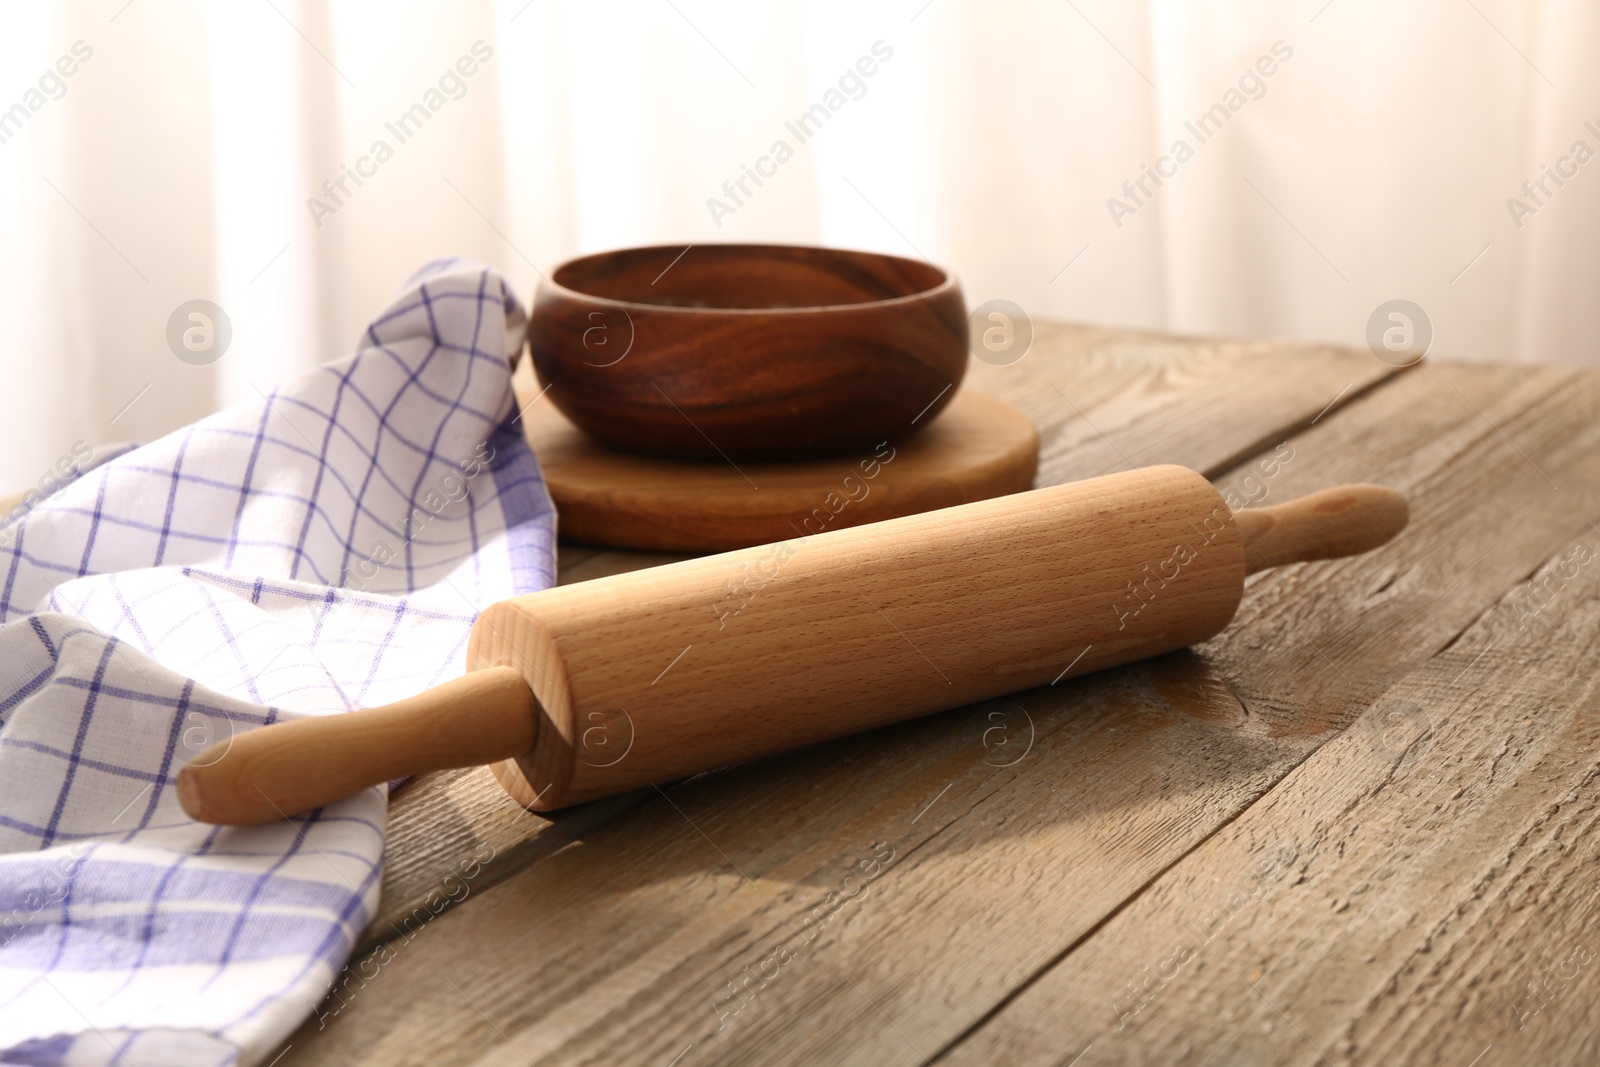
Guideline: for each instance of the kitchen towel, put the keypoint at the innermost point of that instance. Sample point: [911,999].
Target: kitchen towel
[321,549]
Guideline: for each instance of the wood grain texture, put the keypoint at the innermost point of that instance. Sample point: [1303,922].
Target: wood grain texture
[978,448]
[1202,404]
[751,351]
[1420,891]
[297,766]
[623,950]
[1106,400]
[656,675]
[990,597]
[1436,900]
[1343,521]
[441,823]
[457,822]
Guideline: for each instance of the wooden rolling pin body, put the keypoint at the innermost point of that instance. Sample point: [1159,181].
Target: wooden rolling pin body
[654,675]
[587,690]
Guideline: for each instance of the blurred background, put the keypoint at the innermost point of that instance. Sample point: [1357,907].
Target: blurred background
[1337,154]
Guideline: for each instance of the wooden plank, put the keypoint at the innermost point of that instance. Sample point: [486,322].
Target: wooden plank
[1103,400]
[442,825]
[1422,890]
[623,949]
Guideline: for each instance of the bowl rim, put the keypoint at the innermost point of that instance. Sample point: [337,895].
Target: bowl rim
[547,283]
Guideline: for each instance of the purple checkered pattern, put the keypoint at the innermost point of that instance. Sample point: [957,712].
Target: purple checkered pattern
[322,549]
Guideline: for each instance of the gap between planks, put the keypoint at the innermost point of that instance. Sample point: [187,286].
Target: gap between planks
[441,822]
[504,919]
[1484,926]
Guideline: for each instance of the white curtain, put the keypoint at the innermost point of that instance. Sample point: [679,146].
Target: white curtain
[185,155]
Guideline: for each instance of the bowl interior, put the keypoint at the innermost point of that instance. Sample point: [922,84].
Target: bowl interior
[747,277]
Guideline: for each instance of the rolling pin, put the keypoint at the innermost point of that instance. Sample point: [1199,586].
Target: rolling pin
[588,690]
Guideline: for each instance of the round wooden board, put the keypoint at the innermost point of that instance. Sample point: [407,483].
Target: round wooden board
[977,448]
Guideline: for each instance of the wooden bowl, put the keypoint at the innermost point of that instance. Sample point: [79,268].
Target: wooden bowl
[772,352]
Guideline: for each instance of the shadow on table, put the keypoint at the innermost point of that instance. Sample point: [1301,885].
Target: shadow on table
[1128,758]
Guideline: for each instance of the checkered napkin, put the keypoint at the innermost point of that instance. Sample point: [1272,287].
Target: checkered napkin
[323,549]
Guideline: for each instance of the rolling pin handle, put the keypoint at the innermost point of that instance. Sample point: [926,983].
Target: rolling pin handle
[296,766]
[1342,521]
[490,715]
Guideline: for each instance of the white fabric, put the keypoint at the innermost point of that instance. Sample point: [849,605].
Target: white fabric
[322,548]
[990,142]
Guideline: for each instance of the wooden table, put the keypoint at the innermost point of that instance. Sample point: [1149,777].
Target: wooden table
[1358,827]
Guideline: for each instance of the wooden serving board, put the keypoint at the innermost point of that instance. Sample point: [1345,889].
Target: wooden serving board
[978,447]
